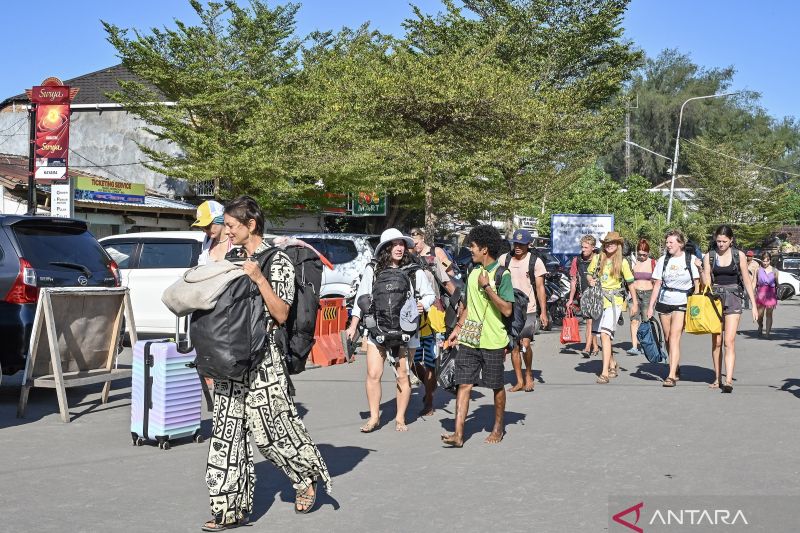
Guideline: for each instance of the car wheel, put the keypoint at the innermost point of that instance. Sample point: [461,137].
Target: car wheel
[785,291]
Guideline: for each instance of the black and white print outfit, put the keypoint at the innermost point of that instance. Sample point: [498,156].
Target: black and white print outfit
[259,406]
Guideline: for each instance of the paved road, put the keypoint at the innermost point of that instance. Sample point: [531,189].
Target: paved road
[569,446]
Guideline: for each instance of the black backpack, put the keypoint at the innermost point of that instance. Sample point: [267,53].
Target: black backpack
[231,338]
[519,314]
[302,321]
[391,289]
[712,259]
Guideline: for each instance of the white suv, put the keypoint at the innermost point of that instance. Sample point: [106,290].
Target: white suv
[350,253]
[149,262]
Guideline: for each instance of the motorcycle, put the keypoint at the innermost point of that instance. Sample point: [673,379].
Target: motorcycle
[556,289]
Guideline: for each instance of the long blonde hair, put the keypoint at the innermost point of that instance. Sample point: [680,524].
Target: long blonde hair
[616,261]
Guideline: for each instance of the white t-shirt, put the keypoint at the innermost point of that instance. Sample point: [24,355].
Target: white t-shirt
[676,277]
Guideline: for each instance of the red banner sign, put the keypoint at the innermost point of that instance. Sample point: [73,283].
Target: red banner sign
[52,132]
[50,94]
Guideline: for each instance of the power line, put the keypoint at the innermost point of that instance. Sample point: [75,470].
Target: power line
[23,119]
[96,165]
[723,154]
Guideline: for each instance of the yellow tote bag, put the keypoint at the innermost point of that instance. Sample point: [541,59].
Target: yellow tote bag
[704,313]
[436,318]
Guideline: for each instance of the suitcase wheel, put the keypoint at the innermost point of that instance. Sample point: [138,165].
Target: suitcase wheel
[137,440]
[198,437]
[163,444]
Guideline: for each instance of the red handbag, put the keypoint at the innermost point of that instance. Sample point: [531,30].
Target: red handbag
[570,329]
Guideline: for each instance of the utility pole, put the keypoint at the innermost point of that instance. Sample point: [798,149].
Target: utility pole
[628,108]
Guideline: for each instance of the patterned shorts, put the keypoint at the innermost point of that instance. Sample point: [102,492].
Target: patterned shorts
[480,366]
[426,353]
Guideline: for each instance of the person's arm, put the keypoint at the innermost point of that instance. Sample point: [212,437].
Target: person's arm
[747,282]
[627,274]
[452,340]
[573,282]
[426,294]
[590,270]
[542,297]
[364,288]
[277,307]
[505,307]
[446,263]
[706,272]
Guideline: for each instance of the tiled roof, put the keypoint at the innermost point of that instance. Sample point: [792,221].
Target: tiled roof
[93,86]
[150,201]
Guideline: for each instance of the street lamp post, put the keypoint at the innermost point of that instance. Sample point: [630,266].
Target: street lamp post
[677,144]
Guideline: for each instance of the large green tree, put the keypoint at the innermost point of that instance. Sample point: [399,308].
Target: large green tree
[216,74]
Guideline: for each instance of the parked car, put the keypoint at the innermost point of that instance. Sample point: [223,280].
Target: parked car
[788,285]
[350,253]
[149,262]
[40,252]
[788,262]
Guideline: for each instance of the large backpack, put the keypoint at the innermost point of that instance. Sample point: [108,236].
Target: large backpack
[301,323]
[651,340]
[231,338]
[519,314]
[393,294]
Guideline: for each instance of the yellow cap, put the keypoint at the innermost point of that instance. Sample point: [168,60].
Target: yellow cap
[207,212]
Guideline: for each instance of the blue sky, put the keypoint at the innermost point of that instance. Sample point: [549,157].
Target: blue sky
[758,38]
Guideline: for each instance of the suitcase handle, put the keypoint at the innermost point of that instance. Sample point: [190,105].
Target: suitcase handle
[184,346]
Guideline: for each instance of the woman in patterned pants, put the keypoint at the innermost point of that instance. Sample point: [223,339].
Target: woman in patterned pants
[259,406]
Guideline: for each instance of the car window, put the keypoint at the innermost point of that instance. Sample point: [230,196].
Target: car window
[121,253]
[340,251]
[42,246]
[374,241]
[166,255]
[791,264]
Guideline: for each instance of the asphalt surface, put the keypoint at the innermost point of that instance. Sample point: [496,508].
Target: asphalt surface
[569,447]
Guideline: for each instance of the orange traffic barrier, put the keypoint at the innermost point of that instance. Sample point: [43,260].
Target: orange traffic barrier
[331,321]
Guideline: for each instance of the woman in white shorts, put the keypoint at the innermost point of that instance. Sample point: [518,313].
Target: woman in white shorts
[391,252]
[609,268]
[676,276]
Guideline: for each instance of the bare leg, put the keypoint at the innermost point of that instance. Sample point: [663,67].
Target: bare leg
[606,342]
[769,320]
[516,362]
[666,326]
[761,310]
[528,357]
[456,439]
[375,358]
[716,357]
[499,410]
[403,390]
[731,325]
[634,330]
[674,335]
[589,337]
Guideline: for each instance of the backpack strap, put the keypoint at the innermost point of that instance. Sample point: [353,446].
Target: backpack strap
[652,264]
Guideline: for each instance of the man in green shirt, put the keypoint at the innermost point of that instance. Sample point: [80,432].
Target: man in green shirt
[480,334]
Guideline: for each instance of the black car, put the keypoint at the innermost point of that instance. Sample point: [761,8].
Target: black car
[42,252]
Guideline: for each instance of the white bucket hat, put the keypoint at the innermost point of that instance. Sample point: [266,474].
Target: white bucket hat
[390,235]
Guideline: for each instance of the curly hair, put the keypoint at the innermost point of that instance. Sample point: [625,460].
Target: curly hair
[486,236]
[384,259]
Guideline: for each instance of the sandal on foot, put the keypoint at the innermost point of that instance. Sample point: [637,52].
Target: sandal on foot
[713,385]
[369,427]
[613,371]
[727,387]
[586,354]
[213,525]
[601,379]
[669,382]
[303,499]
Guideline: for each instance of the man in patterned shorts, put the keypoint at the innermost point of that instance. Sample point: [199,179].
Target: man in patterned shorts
[480,333]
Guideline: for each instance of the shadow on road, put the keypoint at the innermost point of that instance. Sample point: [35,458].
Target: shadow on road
[787,337]
[481,419]
[792,386]
[271,481]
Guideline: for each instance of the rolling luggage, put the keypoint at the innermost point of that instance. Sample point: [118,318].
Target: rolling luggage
[166,396]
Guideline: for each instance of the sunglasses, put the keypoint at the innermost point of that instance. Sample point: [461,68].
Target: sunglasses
[415,234]
[642,254]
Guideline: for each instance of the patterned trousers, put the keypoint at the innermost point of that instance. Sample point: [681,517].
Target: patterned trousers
[258,407]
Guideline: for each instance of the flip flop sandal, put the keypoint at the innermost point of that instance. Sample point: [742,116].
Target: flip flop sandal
[369,427]
[601,379]
[727,387]
[305,500]
[669,382]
